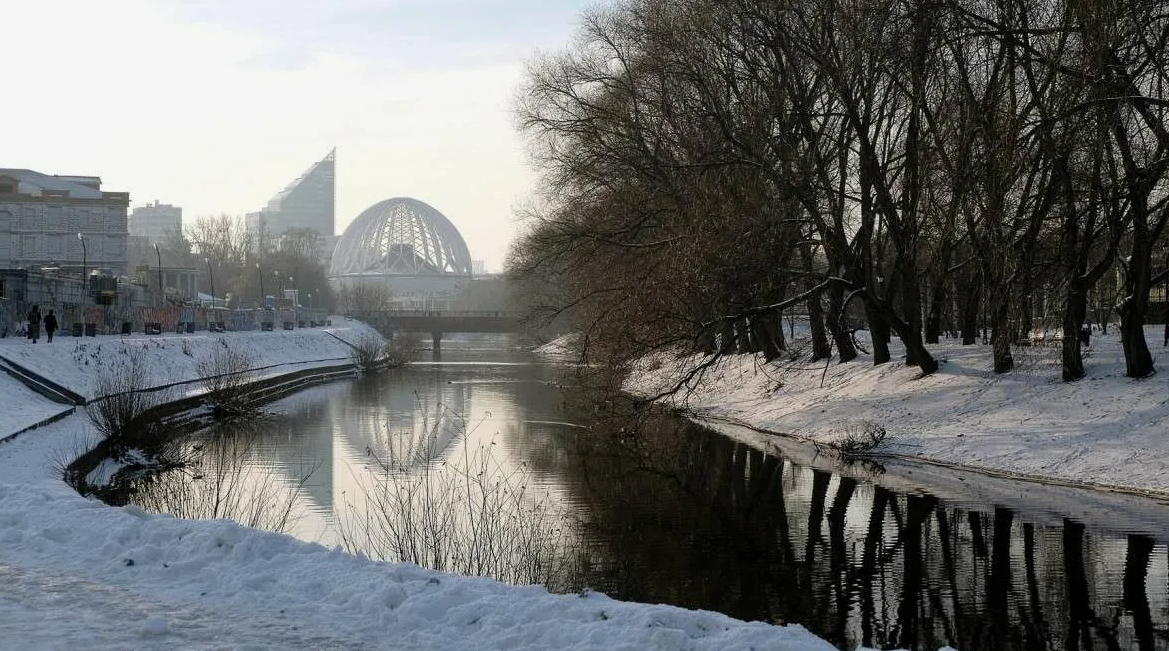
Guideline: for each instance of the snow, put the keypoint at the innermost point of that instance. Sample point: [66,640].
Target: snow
[1103,431]
[75,573]
[564,348]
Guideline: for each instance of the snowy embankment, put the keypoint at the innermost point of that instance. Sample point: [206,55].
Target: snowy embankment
[169,360]
[1105,430]
[77,573]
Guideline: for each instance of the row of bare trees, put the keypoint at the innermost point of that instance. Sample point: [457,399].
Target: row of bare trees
[932,165]
[250,265]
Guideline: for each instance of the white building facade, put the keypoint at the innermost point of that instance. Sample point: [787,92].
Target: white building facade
[156,222]
[65,222]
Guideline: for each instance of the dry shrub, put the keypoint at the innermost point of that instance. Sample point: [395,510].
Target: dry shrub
[123,397]
[457,510]
[225,374]
[368,352]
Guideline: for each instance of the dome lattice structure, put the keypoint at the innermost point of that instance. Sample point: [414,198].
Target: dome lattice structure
[401,236]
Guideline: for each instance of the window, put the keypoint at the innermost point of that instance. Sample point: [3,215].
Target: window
[28,218]
[54,218]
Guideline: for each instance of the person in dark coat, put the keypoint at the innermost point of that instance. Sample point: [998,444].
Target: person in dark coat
[34,323]
[50,325]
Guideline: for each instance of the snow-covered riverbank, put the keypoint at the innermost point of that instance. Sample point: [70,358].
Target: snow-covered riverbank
[77,573]
[1105,430]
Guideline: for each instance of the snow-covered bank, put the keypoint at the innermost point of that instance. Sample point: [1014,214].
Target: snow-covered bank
[77,573]
[1104,430]
[75,362]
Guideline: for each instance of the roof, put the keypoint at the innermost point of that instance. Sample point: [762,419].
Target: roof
[274,204]
[36,183]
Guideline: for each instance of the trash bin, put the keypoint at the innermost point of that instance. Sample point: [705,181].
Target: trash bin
[91,330]
[288,325]
[127,327]
[77,330]
[266,326]
[190,327]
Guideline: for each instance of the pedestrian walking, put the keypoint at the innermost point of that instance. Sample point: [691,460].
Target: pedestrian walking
[50,325]
[34,323]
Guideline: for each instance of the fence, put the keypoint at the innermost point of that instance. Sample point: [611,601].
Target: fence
[113,319]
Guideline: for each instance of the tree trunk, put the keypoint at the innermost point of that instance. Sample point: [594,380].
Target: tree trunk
[971,300]
[879,331]
[820,348]
[1074,312]
[1134,306]
[726,344]
[933,322]
[844,346]
[915,351]
[1001,333]
[774,324]
[763,335]
[745,343]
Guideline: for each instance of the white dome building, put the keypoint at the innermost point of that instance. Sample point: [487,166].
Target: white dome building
[401,237]
[406,247]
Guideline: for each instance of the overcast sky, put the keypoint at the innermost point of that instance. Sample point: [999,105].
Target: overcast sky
[215,105]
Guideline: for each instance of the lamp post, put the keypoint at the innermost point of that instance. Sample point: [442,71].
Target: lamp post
[211,278]
[158,252]
[261,276]
[84,264]
[280,281]
[310,300]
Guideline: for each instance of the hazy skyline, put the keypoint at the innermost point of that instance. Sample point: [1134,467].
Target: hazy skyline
[215,105]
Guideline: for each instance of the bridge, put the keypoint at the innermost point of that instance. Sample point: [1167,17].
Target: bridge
[438,323]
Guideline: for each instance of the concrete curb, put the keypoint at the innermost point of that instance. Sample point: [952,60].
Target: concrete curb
[1043,480]
[64,413]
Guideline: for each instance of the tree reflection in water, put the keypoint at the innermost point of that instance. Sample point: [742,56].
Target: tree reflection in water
[685,516]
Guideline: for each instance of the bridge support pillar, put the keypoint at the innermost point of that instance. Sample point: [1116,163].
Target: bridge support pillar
[437,339]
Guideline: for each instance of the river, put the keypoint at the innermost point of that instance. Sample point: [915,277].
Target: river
[661,510]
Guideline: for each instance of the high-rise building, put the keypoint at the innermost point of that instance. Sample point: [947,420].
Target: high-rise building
[307,203]
[156,221]
[61,221]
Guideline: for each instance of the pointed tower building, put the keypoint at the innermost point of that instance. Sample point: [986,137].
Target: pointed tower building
[306,203]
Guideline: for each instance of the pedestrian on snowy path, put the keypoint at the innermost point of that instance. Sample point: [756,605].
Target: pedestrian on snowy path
[34,323]
[50,325]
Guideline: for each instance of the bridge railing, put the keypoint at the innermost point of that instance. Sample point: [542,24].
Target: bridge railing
[447,313]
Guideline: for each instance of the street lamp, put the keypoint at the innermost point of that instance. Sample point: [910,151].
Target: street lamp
[84,264]
[211,277]
[310,300]
[276,274]
[159,252]
[261,276]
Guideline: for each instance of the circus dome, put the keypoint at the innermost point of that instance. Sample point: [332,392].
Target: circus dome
[401,237]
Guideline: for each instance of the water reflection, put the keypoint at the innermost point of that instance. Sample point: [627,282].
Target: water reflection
[664,511]
[706,522]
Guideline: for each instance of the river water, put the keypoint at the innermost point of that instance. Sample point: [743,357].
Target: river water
[661,510]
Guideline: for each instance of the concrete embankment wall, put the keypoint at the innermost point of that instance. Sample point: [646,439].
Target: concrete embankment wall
[169,363]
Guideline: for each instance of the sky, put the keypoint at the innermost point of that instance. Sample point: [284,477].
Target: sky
[216,105]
